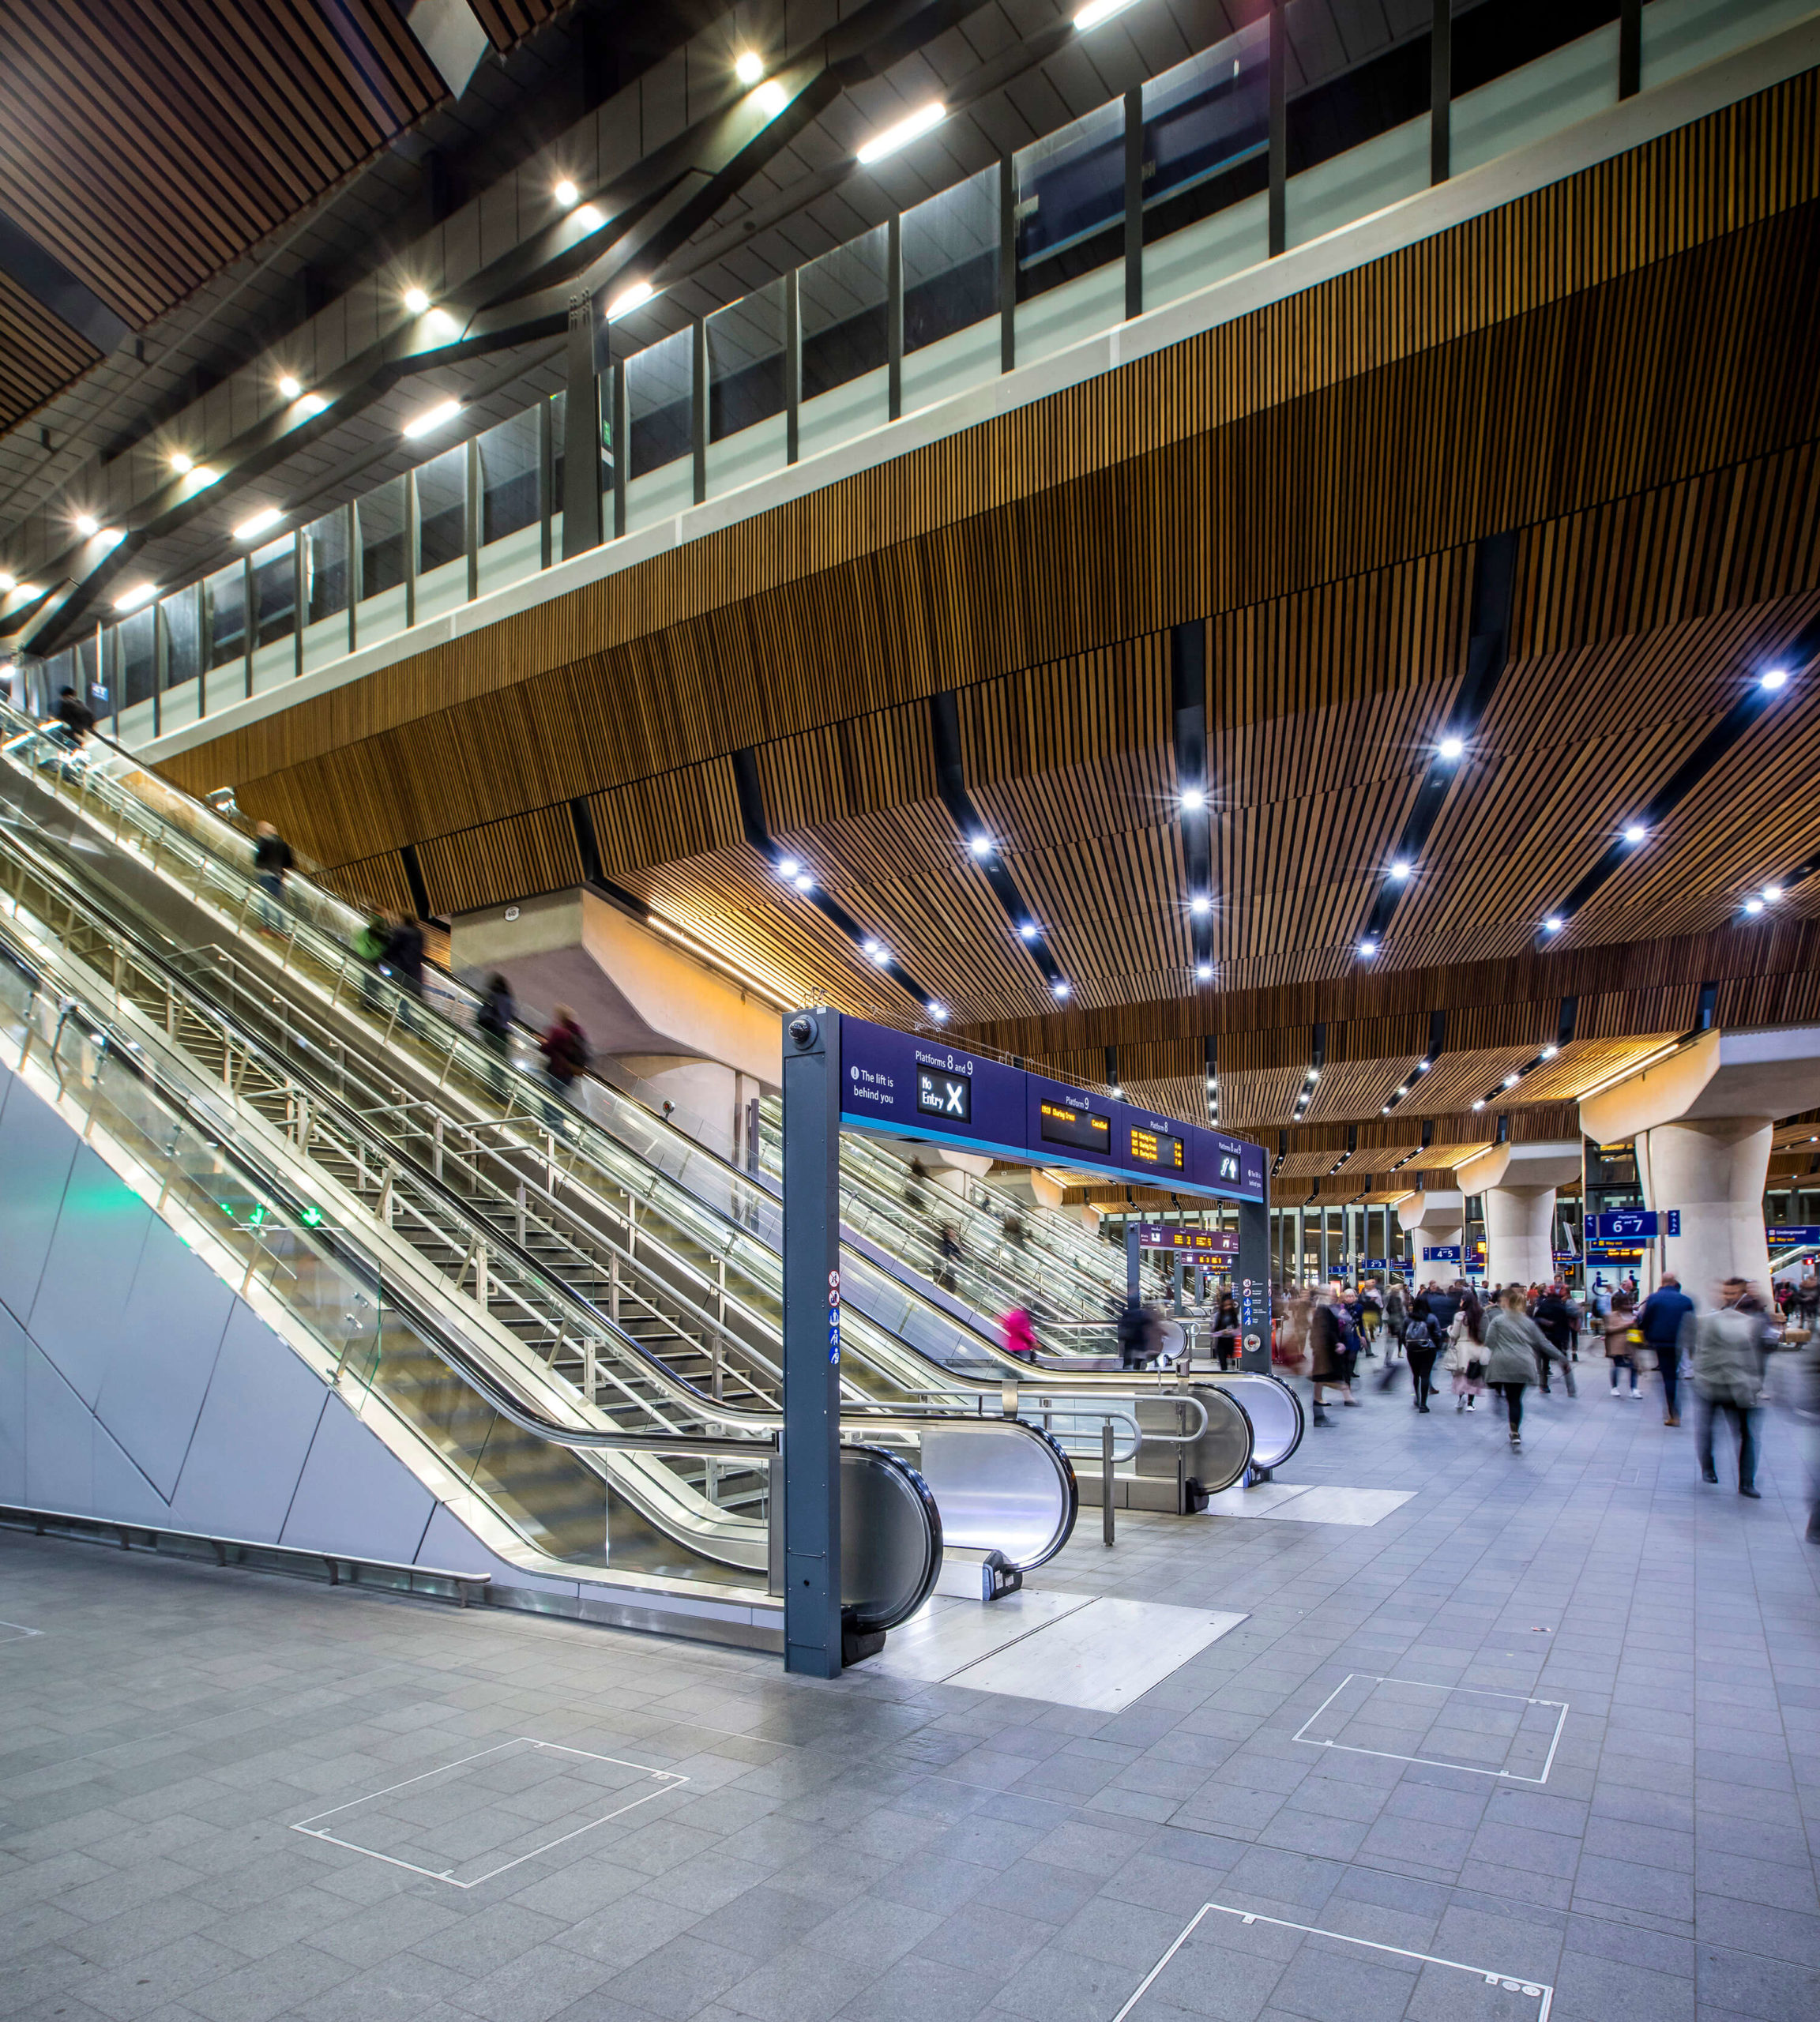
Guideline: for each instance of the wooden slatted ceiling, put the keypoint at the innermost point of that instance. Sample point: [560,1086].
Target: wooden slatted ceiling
[514,859]
[985,552]
[146,144]
[38,353]
[508,22]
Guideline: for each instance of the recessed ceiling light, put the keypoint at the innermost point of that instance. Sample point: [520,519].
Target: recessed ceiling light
[1549,1052]
[1451,747]
[1552,924]
[1204,971]
[1480,1103]
[181,462]
[1058,988]
[566,193]
[911,127]
[311,403]
[140,593]
[1634,831]
[979,845]
[788,866]
[804,883]
[1367,947]
[260,523]
[1097,11]
[417,300]
[431,417]
[1314,1073]
[771,98]
[1200,905]
[1752,905]
[290,385]
[87,525]
[937,1012]
[1772,892]
[1774,678]
[630,297]
[8,580]
[1399,869]
[1192,799]
[1028,930]
[1421,1067]
[748,66]
[1510,1081]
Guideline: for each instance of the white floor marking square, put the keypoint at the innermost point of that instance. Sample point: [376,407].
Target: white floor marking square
[16,1632]
[1303,1502]
[1101,1655]
[1447,1727]
[945,1635]
[492,1810]
[1481,1994]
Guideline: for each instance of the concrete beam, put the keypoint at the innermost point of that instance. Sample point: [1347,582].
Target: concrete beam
[1766,1071]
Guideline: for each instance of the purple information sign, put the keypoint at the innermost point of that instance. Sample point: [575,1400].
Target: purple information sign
[903,1086]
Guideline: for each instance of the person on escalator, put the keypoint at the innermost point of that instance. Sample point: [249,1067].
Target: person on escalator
[949,1244]
[494,1018]
[1138,1335]
[369,946]
[404,965]
[1020,1335]
[565,1051]
[75,717]
[272,864]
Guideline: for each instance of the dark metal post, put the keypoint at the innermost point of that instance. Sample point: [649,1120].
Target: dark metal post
[1630,48]
[547,482]
[356,574]
[1106,1519]
[811,1458]
[413,545]
[894,314]
[300,599]
[1279,134]
[792,365]
[249,620]
[113,664]
[699,406]
[1181,1280]
[160,665]
[622,449]
[1251,1275]
[205,646]
[1007,264]
[473,517]
[1130,1260]
[581,434]
[1441,93]
[1134,202]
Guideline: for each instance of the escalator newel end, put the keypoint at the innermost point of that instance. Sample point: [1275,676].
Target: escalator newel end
[1197,1497]
[856,1643]
[1002,1577]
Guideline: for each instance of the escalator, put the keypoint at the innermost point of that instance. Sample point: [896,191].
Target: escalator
[674,1240]
[526,1374]
[544,1486]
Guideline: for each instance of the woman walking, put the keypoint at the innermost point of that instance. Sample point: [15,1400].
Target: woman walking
[1512,1342]
[1421,1343]
[1466,1352]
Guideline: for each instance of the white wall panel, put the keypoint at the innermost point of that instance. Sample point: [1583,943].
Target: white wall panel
[59,1442]
[163,1356]
[252,1437]
[356,1496]
[121,1489]
[36,1150]
[81,1301]
[14,1347]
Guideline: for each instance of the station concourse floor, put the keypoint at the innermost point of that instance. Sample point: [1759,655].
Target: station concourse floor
[884,1848]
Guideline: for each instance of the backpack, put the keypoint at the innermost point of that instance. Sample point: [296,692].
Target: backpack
[1420,1335]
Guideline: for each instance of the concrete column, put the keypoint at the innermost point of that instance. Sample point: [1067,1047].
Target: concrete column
[1436,1220]
[1702,1119]
[1713,1172]
[1516,1183]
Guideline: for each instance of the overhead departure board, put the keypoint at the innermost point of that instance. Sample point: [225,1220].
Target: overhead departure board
[1078,1128]
[911,1085]
[1150,1147]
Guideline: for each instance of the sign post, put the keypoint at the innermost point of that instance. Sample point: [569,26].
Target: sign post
[1252,1277]
[811,1457]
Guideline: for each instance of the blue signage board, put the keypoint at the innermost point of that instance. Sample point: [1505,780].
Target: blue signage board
[1446,1253]
[903,1085]
[1634,1224]
[1793,1235]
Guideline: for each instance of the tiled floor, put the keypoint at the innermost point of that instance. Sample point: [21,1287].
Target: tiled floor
[886,1847]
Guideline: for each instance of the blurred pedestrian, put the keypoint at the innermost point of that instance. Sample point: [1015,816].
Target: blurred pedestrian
[564,1047]
[1421,1343]
[404,965]
[1466,1352]
[75,718]
[369,946]
[1664,1313]
[272,864]
[1020,1335]
[1513,1343]
[1621,1338]
[1728,1346]
[1555,1318]
[494,1018]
